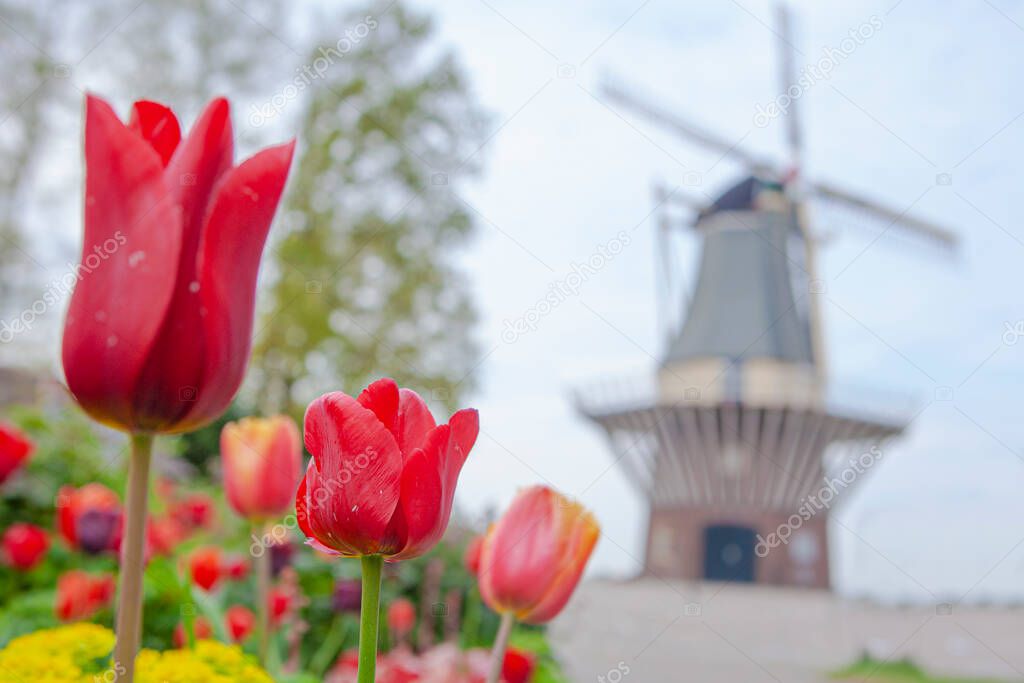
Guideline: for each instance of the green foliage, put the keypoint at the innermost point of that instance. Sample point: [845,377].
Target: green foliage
[365,282]
[70,449]
[533,640]
[899,671]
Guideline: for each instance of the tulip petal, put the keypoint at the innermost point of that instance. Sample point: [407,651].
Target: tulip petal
[417,521]
[382,398]
[229,259]
[581,541]
[521,553]
[414,421]
[158,125]
[132,234]
[303,509]
[429,478]
[358,466]
[169,384]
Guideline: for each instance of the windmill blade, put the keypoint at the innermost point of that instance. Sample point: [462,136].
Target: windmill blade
[686,130]
[915,227]
[787,78]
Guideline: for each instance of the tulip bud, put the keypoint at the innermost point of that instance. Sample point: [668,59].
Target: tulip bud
[195,511]
[206,567]
[281,556]
[348,594]
[24,546]
[279,603]
[240,622]
[471,558]
[97,530]
[164,534]
[401,617]
[201,630]
[100,509]
[262,461]
[80,595]
[518,666]
[15,449]
[237,568]
[534,556]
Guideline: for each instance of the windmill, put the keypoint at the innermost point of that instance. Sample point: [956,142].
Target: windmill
[735,448]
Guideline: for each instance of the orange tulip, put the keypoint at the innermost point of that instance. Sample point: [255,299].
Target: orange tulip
[262,460]
[533,557]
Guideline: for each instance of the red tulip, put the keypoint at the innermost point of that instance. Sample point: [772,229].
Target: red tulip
[15,449]
[80,595]
[157,335]
[236,568]
[534,555]
[240,622]
[471,558]
[382,478]
[24,546]
[518,666]
[279,603]
[201,630]
[206,567]
[401,617]
[89,518]
[262,460]
[195,511]
[163,534]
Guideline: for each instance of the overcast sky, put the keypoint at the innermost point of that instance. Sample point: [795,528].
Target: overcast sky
[931,93]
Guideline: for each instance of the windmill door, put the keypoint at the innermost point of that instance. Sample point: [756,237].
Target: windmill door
[729,553]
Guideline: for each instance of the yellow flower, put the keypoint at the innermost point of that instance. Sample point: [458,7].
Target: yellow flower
[80,653]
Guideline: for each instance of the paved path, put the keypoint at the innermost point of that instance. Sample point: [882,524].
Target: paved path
[730,633]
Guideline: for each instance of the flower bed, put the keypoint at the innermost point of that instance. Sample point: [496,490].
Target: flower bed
[81,653]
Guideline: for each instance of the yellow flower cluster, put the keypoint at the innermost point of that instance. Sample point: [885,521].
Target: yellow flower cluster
[80,653]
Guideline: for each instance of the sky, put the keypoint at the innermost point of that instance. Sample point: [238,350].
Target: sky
[922,115]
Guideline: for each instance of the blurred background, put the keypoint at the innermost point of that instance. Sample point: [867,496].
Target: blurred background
[475,213]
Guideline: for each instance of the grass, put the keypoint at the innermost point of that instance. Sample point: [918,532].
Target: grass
[901,671]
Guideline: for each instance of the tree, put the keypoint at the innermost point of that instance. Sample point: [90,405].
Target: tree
[364,282]
[54,51]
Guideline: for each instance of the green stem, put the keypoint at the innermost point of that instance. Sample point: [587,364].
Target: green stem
[471,626]
[369,616]
[500,644]
[129,610]
[331,646]
[263,572]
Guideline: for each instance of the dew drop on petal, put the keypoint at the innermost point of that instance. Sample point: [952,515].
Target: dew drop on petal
[193,286]
[112,341]
[250,193]
[135,258]
[100,316]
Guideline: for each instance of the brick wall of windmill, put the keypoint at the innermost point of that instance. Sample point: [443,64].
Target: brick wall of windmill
[676,544]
